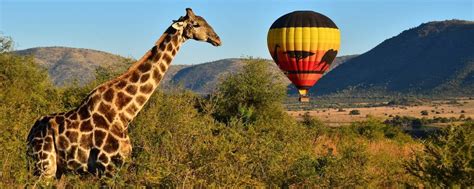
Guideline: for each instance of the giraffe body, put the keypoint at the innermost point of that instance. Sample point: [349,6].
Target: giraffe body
[94,137]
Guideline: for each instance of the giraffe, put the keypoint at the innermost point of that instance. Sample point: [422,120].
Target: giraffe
[93,138]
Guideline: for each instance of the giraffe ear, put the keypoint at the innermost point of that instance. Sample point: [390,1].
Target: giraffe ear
[190,14]
[178,25]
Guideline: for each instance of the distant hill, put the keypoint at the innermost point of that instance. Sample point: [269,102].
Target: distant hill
[66,65]
[433,58]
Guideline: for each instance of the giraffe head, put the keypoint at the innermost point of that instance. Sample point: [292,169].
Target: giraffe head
[195,27]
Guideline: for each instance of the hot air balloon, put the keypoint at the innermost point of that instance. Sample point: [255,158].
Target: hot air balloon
[303,44]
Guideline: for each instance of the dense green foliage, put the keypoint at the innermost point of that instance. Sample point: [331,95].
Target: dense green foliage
[448,159]
[239,136]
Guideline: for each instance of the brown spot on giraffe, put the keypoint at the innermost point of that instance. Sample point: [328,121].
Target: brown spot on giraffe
[84,112]
[131,89]
[73,124]
[109,95]
[116,129]
[144,78]
[73,136]
[122,100]
[108,111]
[121,84]
[163,67]
[86,141]
[99,137]
[86,126]
[167,59]
[156,76]
[134,77]
[100,121]
[141,100]
[132,109]
[111,144]
[104,158]
[89,137]
[145,67]
[147,88]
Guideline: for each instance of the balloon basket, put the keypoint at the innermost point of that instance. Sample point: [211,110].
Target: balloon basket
[304,99]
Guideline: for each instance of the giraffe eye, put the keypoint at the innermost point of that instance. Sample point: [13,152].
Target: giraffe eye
[196,25]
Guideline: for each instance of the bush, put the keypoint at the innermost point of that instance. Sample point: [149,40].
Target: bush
[354,112]
[447,160]
[253,92]
[424,113]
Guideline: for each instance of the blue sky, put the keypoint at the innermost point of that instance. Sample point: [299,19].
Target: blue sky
[129,28]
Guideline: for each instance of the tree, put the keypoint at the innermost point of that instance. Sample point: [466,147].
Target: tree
[6,44]
[447,160]
[253,92]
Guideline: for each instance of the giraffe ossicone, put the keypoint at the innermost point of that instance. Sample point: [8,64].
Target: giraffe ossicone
[93,137]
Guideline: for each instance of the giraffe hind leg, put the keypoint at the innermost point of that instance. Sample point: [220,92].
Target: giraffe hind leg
[41,150]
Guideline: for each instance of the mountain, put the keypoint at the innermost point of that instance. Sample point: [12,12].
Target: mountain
[433,58]
[66,65]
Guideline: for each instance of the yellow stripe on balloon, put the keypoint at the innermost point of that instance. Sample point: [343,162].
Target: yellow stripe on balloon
[304,38]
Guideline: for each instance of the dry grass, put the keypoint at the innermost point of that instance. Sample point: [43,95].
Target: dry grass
[334,117]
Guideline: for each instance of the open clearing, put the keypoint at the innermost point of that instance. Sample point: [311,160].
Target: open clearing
[336,117]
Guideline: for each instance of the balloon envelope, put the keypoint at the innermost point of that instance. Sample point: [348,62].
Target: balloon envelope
[303,44]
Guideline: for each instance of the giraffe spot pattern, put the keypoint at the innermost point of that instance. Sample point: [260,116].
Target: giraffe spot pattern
[99,137]
[121,84]
[163,67]
[131,89]
[174,52]
[82,155]
[61,128]
[162,46]
[141,100]
[73,125]
[86,141]
[63,143]
[72,151]
[84,112]
[111,144]
[103,158]
[169,47]
[134,77]
[107,111]
[132,109]
[124,118]
[72,136]
[47,146]
[122,100]
[73,116]
[93,102]
[144,67]
[100,121]
[86,126]
[167,58]
[108,95]
[156,76]
[144,78]
[116,129]
[147,88]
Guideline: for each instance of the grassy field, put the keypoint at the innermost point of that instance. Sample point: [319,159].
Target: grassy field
[437,108]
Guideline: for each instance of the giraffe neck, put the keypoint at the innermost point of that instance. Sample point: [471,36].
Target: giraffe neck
[150,70]
[120,99]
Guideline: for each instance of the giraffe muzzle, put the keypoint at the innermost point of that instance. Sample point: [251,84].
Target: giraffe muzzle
[215,42]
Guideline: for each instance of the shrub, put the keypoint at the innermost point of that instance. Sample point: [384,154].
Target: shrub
[354,112]
[253,92]
[447,158]
[424,113]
